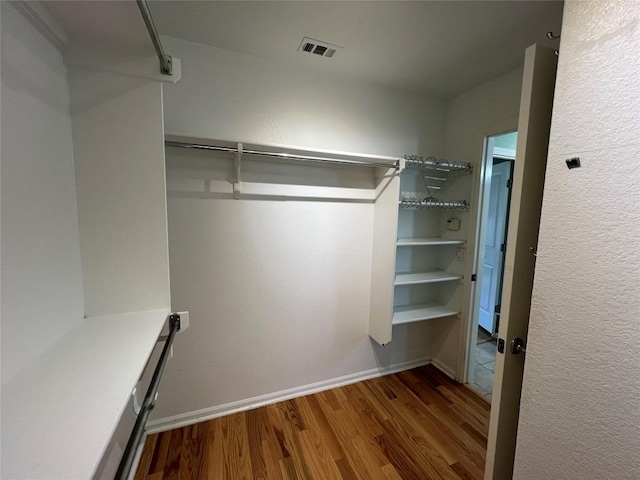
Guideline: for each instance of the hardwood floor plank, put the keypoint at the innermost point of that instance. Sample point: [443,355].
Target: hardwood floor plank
[147,456]
[172,463]
[191,459]
[456,440]
[292,424]
[337,453]
[160,453]
[273,457]
[462,472]
[318,457]
[391,473]
[417,424]
[346,471]
[257,429]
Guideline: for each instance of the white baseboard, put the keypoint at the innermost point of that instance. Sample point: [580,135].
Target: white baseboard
[189,418]
[449,372]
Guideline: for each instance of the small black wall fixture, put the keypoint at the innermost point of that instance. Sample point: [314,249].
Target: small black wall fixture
[573,162]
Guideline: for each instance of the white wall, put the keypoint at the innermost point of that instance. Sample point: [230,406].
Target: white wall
[120,177]
[488,109]
[278,290]
[42,292]
[580,405]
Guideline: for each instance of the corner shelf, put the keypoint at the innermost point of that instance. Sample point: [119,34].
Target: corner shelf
[420,312]
[413,242]
[434,276]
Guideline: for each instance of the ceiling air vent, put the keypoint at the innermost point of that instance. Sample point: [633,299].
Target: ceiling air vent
[318,47]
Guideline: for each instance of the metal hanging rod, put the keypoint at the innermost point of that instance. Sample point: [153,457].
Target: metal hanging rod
[149,402]
[284,156]
[166,65]
[434,164]
[433,203]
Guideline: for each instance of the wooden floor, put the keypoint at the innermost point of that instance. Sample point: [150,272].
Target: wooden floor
[416,424]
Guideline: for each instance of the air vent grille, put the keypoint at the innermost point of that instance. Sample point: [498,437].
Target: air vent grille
[318,47]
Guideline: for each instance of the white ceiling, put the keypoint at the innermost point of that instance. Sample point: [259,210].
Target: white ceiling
[440,48]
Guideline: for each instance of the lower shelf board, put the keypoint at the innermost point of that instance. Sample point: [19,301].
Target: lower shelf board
[420,312]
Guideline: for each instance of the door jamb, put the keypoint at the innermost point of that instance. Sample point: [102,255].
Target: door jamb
[468,333]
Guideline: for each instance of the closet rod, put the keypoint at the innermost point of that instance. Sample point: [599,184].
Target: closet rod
[285,156]
[126,462]
[433,203]
[166,66]
[435,164]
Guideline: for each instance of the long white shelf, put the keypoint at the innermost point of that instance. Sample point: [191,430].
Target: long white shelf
[410,242]
[417,313]
[425,277]
[59,414]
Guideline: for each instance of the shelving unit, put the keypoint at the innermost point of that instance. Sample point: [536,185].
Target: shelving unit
[418,266]
[426,279]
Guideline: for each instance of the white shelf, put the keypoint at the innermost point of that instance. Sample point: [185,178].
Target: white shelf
[417,313]
[425,277]
[410,242]
[59,414]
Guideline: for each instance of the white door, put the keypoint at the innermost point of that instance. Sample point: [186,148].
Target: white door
[524,220]
[494,238]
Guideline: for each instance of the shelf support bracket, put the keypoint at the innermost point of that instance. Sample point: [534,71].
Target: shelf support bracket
[237,163]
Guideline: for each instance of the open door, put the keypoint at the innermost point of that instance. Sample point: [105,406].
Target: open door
[499,194]
[534,122]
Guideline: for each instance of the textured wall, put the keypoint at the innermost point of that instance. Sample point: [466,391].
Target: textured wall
[41,272]
[580,408]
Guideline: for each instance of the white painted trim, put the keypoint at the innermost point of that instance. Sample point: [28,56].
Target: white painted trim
[43,22]
[473,245]
[190,418]
[448,371]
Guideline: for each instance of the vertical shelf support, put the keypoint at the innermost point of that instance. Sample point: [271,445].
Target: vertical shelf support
[237,163]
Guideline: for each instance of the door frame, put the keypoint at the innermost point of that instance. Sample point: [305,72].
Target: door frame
[481,183]
[482,199]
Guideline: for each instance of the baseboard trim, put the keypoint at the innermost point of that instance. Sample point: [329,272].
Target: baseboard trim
[449,372]
[189,418]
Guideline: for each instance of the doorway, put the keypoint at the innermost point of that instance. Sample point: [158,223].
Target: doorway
[498,165]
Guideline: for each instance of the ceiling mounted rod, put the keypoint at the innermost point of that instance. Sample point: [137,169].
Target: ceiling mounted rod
[166,65]
[284,156]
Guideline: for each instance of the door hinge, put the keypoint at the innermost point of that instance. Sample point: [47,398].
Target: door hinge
[502,247]
[509,183]
[474,277]
[497,308]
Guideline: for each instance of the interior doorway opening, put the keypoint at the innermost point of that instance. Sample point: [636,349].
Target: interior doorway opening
[495,198]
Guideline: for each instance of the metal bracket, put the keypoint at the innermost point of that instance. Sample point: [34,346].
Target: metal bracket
[136,404]
[237,163]
[174,318]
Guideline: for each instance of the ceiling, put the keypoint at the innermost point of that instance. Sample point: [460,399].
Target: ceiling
[439,48]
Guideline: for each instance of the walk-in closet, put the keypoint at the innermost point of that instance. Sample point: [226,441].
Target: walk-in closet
[245,239]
